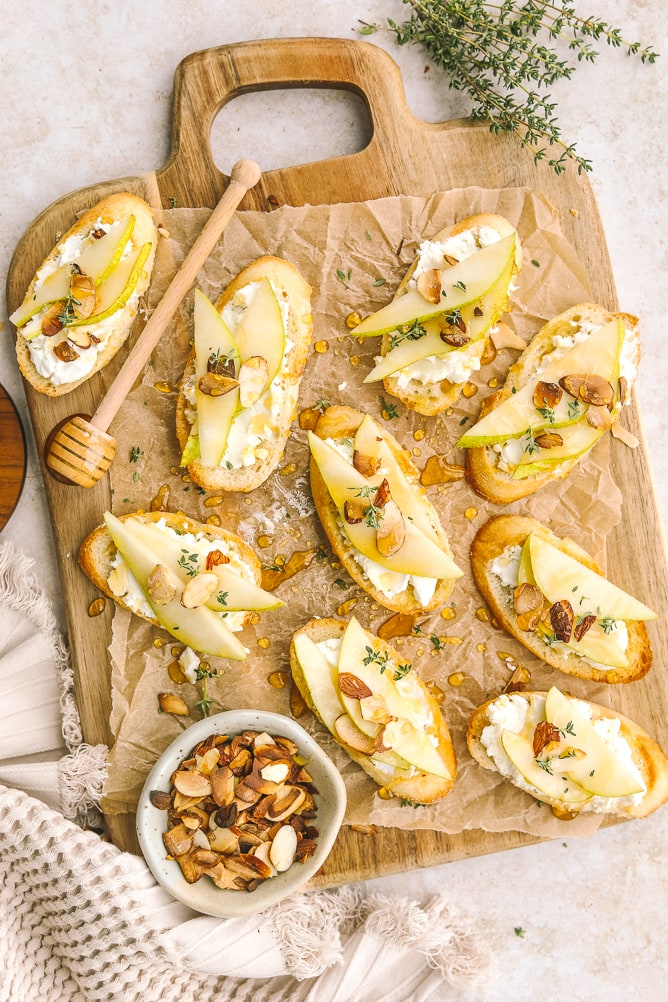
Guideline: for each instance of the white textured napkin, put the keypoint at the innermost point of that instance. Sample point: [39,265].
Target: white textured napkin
[81,921]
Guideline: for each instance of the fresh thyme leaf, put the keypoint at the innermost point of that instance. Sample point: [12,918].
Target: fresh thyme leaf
[221,597]
[188,561]
[343,276]
[531,445]
[436,641]
[389,411]
[504,56]
[321,405]
[401,671]
[407,332]
[340,583]
[366,232]
[544,764]
[519,931]
[547,413]
[136,454]
[573,408]
[535,263]
[607,624]
[460,285]
[172,202]
[380,281]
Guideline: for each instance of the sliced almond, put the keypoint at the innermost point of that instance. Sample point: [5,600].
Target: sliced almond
[351,685]
[161,800]
[263,852]
[83,297]
[222,877]
[623,385]
[621,433]
[353,511]
[275,772]
[374,708]
[429,285]
[199,590]
[599,417]
[502,336]
[161,587]
[572,384]
[169,703]
[65,352]
[582,626]
[283,848]
[207,762]
[249,866]
[223,840]
[597,391]
[382,494]
[52,323]
[215,558]
[549,440]
[81,337]
[253,376]
[561,620]
[547,395]
[366,465]
[118,579]
[213,384]
[391,531]
[192,784]
[528,605]
[544,734]
[222,785]
[455,338]
[177,840]
[352,736]
[284,803]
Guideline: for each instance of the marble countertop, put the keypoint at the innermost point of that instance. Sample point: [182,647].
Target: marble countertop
[87,96]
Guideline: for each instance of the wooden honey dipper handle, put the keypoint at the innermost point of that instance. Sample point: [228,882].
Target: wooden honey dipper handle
[245,174]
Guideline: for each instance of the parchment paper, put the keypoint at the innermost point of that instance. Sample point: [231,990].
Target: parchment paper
[344,251]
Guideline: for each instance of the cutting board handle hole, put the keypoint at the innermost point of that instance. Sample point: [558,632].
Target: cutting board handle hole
[320,123]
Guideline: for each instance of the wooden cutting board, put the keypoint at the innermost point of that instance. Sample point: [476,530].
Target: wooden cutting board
[404,156]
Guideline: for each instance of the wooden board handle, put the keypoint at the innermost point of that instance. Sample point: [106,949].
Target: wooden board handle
[207,80]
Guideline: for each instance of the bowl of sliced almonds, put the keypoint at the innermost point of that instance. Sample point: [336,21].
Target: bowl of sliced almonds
[239,811]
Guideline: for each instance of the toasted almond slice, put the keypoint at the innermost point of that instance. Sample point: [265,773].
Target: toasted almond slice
[215,558]
[161,801]
[214,384]
[599,417]
[391,531]
[561,620]
[222,877]
[253,376]
[429,285]
[353,511]
[207,762]
[51,321]
[351,685]
[502,336]
[383,494]
[544,734]
[80,337]
[65,352]
[177,840]
[223,840]
[366,465]
[351,735]
[284,803]
[572,384]
[263,852]
[283,848]
[170,703]
[275,772]
[192,784]
[161,588]
[547,394]
[374,708]
[597,391]
[618,431]
[82,293]
[248,865]
[199,590]
[549,440]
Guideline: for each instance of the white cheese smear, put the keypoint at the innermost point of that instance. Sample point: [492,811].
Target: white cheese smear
[514,713]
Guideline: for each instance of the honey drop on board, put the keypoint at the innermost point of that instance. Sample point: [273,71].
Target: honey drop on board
[96,607]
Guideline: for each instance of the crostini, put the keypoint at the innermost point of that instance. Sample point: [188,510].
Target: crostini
[375,707]
[436,329]
[550,595]
[376,515]
[199,582]
[570,753]
[81,303]
[560,397]
[238,394]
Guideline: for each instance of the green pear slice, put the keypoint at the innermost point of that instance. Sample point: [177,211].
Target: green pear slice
[241,594]
[97,259]
[408,735]
[477,317]
[557,786]
[560,576]
[600,772]
[512,418]
[601,647]
[369,441]
[261,331]
[117,289]
[212,338]
[319,676]
[200,628]
[464,283]
[524,571]
[418,555]
[577,439]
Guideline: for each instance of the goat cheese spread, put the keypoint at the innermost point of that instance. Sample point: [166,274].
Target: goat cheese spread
[124,584]
[389,582]
[253,428]
[506,568]
[458,365]
[515,713]
[41,348]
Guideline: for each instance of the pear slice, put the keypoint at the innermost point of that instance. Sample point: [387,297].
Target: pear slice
[370,442]
[464,283]
[242,594]
[262,331]
[98,259]
[214,414]
[577,439]
[418,555]
[410,735]
[600,772]
[199,628]
[319,677]
[477,319]
[524,571]
[599,354]
[115,292]
[560,576]
[601,647]
[557,786]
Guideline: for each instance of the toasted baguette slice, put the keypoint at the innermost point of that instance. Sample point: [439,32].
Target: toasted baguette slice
[646,756]
[434,398]
[506,531]
[338,423]
[482,470]
[37,361]
[419,787]
[98,553]
[290,288]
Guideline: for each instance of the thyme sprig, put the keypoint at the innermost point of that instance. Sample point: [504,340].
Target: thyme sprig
[500,55]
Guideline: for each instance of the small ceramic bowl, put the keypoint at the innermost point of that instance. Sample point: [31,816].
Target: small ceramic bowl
[204,896]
